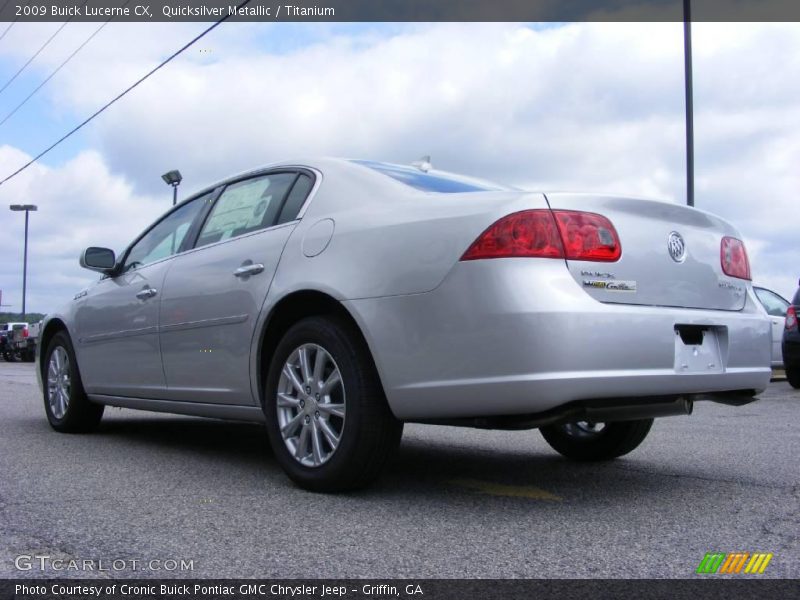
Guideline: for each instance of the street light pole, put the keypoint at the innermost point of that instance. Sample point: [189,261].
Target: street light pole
[27,208]
[687,58]
[174,179]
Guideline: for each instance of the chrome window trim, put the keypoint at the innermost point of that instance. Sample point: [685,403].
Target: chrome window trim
[233,239]
[311,194]
[251,174]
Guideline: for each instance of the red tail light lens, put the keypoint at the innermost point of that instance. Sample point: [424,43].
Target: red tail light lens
[524,234]
[733,257]
[548,234]
[588,236]
[791,318]
[25,333]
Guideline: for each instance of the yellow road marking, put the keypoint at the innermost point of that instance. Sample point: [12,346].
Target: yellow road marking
[500,489]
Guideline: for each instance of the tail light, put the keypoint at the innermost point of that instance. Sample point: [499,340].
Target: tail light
[733,257]
[524,234]
[25,332]
[548,234]
[791,318]
[588,236]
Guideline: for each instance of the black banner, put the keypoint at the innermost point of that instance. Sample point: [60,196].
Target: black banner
[398,10]
[708,588]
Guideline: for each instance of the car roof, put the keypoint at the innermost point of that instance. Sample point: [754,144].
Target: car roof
[336,165]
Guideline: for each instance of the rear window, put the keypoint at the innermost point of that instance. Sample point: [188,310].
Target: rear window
[438,181]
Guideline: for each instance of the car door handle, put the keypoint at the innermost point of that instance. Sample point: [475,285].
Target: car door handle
[146,293]
[247,270]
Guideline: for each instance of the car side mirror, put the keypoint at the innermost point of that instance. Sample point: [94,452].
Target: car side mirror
[98,259]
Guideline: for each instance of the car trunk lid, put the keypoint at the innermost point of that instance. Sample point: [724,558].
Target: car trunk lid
[670,255]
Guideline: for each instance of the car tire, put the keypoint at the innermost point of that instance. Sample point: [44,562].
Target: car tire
[585,441]
[350,432]
[68,408]
[793,376]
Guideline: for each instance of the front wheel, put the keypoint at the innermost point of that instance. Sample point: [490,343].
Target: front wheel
[65,403]
[328,421]
[587,441]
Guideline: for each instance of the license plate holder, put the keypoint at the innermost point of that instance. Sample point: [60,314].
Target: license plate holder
[697,349]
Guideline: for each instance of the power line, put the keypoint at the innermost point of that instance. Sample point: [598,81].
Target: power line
[10,25]
[57,69]
[5,31]
[125,92]
[30,60]
[49,77]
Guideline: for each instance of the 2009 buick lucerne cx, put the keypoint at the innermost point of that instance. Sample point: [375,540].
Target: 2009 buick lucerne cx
[336,299]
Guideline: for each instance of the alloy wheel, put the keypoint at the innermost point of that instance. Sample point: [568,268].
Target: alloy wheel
[311,405]
[584,429]
[58,382]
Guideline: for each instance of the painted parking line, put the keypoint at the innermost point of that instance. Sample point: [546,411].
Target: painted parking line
[501,489]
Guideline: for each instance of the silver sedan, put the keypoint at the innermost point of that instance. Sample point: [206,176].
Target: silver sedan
[336,299]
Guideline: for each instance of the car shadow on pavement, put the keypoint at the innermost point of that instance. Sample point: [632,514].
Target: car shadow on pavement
[536,474]
[202,438]
[419,467]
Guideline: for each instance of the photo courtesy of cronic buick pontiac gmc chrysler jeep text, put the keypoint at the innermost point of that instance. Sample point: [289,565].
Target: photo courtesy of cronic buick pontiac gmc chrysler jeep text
[336,299]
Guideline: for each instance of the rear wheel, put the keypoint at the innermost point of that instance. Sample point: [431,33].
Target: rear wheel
[793,375]
[588,441]
[328,421]
[65,403]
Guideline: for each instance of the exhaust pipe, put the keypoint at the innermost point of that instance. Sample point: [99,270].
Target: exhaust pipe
[680,406]
[603,411]
[597,411]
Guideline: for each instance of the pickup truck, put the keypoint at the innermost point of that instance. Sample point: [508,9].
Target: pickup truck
[18,341]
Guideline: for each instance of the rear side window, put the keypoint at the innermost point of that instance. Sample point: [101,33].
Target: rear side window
[246,206]
[443,183]
[774,304]
[297,196]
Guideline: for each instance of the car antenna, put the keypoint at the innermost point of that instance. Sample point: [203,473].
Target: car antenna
[423,164]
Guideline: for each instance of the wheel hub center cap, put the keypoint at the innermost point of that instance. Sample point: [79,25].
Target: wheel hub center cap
[310,405]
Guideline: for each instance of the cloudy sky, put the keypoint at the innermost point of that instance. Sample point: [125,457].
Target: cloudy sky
[590,107]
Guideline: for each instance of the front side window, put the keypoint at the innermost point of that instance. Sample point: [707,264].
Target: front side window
[246,206]
[166,237]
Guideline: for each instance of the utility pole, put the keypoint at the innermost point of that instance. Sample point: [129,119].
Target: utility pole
[687,58]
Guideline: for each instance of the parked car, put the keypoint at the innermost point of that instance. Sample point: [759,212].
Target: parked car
[776,307]
[5,343]
[337,299]
[791,342]
[9,334]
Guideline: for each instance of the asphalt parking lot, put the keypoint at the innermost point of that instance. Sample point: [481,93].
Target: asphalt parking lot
[454,503]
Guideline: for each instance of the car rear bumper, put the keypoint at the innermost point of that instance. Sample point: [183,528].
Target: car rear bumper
[520,336]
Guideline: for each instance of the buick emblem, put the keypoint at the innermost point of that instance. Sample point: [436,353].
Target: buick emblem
[676,247]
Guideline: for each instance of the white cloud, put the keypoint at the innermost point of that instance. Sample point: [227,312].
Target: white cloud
[584,106]
[79,204]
